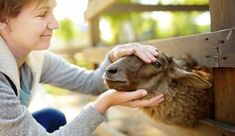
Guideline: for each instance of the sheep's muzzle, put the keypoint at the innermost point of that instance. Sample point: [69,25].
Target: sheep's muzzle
[121,74]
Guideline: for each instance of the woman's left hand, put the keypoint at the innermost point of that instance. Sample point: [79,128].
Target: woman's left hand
[145,52]
[130,99]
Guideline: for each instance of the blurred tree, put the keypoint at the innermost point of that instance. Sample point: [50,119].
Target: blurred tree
[66,31]
[152,25]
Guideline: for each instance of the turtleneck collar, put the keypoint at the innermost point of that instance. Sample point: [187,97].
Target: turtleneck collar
[8,63]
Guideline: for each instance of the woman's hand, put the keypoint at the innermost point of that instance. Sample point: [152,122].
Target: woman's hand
[113,97]
[145,52]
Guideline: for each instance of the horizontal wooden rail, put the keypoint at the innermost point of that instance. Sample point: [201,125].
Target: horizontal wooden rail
[214,49]
[95,7]
[120,8]
[222,125]
[68,51]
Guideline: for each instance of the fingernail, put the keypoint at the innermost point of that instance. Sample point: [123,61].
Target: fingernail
[154,59]
[148,60]
[143,92]
[131,50]
[161,100]
[156,54]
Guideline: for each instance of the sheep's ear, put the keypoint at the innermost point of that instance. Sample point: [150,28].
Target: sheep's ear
[189,79]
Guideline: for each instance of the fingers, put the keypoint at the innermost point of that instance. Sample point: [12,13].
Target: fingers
[128,96]
[145,103]
[154,51]
[119,52]
[146,53]
[157,100]
[123,52]
[130,99]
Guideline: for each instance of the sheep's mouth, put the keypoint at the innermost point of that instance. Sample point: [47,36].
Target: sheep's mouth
[116,84]
[115,81]
[120,85]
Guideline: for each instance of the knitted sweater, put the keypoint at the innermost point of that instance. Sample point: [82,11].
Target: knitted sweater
[48,68]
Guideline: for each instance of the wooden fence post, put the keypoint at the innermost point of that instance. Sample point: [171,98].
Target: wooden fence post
[222,17]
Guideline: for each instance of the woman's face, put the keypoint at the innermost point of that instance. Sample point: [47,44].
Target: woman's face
[33,27]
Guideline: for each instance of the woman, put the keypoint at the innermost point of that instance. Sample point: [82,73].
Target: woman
[26,27]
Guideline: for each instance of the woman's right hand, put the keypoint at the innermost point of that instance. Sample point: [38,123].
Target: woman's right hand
[129,99]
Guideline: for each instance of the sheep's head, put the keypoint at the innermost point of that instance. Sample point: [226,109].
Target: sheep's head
[130,73]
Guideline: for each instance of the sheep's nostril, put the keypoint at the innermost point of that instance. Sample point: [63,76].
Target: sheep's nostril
[112,70]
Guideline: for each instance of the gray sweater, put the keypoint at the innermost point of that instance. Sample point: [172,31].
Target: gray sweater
[16,120]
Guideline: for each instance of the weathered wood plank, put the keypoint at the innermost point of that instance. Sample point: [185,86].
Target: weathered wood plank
[94,31]
[226,47]
[120,8]
[222,125]
[224,79]
[222,17]
[95,7]
[202,47]
[222,14]
[95,55]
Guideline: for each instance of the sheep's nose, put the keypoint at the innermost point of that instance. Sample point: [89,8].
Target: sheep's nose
[112,70]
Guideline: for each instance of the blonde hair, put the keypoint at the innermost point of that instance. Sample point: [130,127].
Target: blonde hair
[11,8]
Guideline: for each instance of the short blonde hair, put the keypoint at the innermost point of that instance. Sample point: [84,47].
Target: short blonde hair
[11,8]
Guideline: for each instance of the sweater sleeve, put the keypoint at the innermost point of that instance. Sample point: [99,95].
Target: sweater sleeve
[58,72]
[15,119]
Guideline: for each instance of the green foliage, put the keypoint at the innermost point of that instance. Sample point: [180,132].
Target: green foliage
[124,1]
[72,34]
[146,26]
[167,1]
[66,31]
[55,90]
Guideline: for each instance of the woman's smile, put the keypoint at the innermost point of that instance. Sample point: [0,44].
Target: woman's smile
[46,36]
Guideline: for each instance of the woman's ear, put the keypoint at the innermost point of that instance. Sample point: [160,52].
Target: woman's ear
[4,26]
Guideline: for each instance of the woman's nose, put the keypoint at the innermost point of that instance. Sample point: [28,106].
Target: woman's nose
[53,23]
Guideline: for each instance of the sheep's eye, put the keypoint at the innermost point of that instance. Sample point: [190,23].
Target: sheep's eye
[157,65]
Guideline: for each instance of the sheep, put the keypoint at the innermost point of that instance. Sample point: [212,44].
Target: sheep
[187,97]
[186,62]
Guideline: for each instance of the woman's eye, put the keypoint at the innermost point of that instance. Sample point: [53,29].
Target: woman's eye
[43,14]
[157,65]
